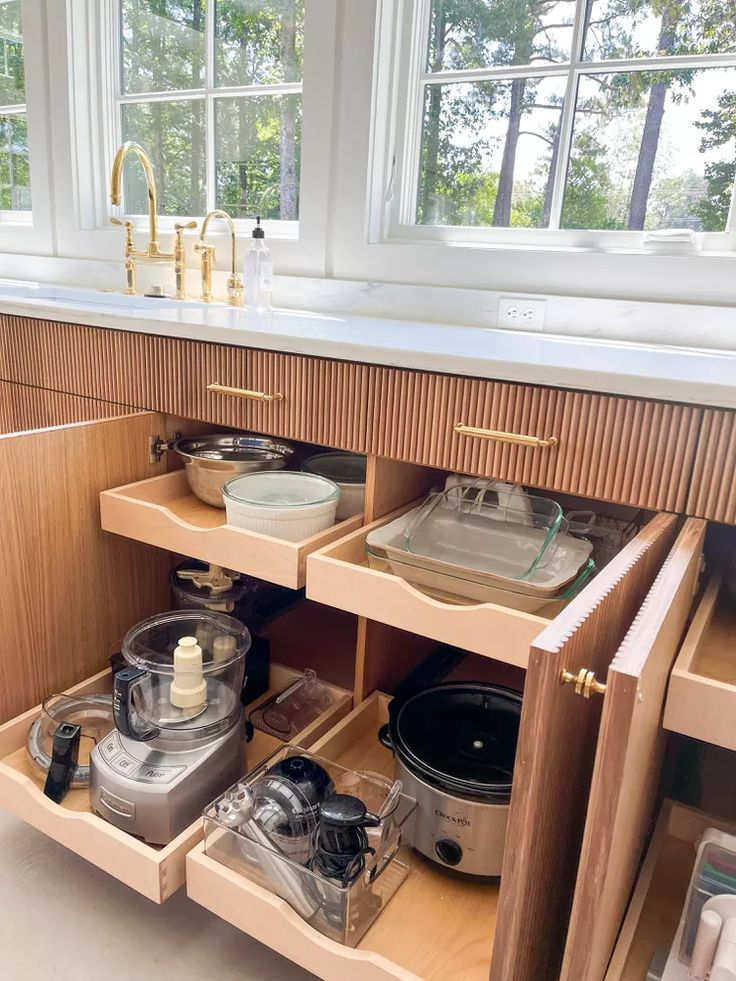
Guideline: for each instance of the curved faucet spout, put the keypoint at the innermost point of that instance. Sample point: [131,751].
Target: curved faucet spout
[116,186]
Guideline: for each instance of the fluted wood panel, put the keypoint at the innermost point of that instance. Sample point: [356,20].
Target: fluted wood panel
[611,448]
[324,401]
[23,408]
[713,490]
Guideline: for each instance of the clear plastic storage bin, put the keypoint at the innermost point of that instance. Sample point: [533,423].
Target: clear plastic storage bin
[283,860]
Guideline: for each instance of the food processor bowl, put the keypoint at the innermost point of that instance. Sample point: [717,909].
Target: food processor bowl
[184,678]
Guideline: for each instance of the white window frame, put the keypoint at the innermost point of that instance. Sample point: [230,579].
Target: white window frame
[368,179]
[412,78]
[91,65]
[31,231]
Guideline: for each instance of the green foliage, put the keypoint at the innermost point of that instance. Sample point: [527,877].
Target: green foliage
[256,139]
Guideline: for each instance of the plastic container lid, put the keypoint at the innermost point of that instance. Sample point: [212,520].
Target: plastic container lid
[343,468]
[278,489]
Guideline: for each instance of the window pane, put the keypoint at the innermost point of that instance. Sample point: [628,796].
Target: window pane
[172,133]
[257,155]
[487,152]
[632,28]
[15,178]
[653,150]
[258,42]
[12,81]
[483,33]
[162,45]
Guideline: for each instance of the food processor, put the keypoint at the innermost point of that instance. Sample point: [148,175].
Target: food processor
[179,734]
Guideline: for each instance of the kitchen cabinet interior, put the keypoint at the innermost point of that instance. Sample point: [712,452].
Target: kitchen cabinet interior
[92,550]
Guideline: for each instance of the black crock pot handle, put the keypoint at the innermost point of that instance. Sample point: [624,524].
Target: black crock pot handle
[384,738]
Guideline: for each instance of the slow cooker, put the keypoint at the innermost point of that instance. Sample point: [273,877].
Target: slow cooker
[454,746]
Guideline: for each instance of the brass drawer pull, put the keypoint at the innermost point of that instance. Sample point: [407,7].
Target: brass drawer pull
[584,681]
[536,442]
[244,393]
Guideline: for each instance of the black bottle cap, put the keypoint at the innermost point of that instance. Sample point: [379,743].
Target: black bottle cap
[258,231]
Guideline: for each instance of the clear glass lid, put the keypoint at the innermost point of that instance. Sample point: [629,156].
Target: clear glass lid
[284,489]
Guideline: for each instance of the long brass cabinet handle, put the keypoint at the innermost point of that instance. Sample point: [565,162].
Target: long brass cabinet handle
[244,393]
[519,439]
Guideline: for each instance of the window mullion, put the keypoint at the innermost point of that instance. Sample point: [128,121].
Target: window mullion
[209,126]
[568,114]
[415,110]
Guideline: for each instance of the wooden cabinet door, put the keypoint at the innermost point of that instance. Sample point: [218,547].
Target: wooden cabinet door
[68,590]
[555,757]
[628,761]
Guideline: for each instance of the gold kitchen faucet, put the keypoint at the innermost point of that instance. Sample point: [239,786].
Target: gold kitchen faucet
[207,252]
[153,252]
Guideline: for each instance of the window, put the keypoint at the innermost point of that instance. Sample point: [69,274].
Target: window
[566,115]
[15,181]
[212,89]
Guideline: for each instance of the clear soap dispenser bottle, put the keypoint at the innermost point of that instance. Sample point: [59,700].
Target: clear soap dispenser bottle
[258,272]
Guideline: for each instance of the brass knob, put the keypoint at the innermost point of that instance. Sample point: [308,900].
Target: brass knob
[585,682]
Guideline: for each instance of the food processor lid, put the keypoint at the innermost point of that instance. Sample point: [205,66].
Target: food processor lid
[343,468]
[150,645]
[461,737]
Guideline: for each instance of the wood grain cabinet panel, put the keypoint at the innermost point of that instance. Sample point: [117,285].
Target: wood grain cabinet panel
[607,447]
[323,401]
[713,489]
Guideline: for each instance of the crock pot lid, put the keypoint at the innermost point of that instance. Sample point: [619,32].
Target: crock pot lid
[461,735]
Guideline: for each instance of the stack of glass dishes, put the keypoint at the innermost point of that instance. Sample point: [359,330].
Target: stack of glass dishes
[460,547]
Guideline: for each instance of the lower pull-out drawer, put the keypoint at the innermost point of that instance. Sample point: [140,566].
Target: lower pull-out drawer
[436,927]
[163,512]
[701,699]
[155,872]
[658,898]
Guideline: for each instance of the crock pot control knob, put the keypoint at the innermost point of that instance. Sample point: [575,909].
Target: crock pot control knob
[188,689]
[448,851]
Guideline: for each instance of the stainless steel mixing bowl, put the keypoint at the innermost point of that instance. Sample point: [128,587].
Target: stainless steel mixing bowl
[211,460]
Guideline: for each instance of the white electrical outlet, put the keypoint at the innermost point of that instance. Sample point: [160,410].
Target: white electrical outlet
[521,312]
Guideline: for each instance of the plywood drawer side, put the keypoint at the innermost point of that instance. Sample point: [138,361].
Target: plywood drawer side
[713,490]
[609,448]
[323,401]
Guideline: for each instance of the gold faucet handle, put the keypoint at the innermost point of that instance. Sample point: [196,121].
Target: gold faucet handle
[235,290]
[204,249]
[181,227]
[127,225]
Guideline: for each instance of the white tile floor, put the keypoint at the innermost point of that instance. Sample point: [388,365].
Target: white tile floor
[63,920]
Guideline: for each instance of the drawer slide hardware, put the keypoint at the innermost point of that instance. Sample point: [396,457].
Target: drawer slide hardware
[584,681]
[244,393]
[518,439]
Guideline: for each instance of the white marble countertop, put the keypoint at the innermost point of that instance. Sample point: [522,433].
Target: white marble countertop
[681,374]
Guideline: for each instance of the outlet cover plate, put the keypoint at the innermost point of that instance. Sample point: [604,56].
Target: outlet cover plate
[521,312]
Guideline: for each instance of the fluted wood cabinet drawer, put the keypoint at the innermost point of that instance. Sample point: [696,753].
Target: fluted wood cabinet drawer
[713,489]
[607,447]
[321,401]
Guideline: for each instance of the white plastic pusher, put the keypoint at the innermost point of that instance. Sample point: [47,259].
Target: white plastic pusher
[188,689]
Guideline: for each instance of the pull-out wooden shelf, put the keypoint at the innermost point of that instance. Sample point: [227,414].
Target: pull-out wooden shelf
[656,904]
[339,575]
[162,511]
[436,927]
[701,700]
[155,872]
